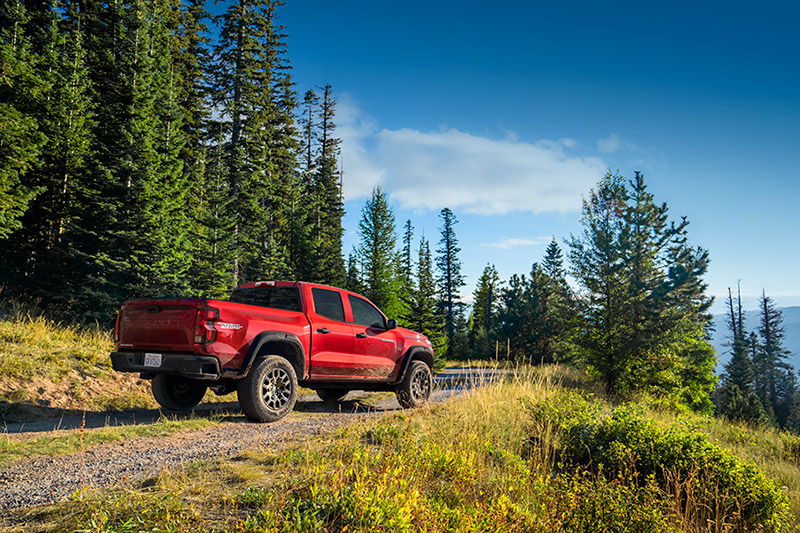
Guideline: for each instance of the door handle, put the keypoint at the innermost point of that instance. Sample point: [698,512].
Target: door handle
[323,330]
[361,335]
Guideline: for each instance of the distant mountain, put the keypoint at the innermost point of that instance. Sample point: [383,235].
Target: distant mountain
[791,324]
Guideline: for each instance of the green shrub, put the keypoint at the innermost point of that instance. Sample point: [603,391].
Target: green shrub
[698,475]
[585,501]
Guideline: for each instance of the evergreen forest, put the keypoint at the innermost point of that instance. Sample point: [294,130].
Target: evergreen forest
[138,158]
[142,157]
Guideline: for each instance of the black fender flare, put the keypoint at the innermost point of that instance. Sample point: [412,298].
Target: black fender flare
[289,340]
[419,352]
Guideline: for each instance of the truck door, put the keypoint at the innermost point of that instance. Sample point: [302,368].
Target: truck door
[376,351]
[331,337]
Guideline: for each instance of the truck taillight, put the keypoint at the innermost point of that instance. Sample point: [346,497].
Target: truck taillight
[204,330]
[116,327]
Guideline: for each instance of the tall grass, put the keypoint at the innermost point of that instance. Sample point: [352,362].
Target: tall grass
[35,346]
[482,462]
[48,367]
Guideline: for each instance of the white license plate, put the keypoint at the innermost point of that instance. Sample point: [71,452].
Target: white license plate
[152,359]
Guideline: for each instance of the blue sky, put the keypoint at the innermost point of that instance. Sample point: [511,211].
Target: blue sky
[507,112]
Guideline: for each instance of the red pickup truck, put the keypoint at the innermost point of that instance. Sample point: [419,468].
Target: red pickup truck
[268,339]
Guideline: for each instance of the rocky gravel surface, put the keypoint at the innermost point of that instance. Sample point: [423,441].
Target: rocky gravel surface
[44,480]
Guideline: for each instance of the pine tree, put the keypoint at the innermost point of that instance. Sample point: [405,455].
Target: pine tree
[307,207]
[486,299]
[598,264]
[738,397]
[153,236]
[450,279]
[162,248]
[61,111]
[215,218]
[561,316]
[646,321]
[377,254]
[406,260]
[309,122]
[421,313]
[459,347]
[739,371]
[405,268]
[553,262]
[191,59]
[786,387]
[772,335]
[514,315]
[734,404]
[131,238]
[328,184]
[793,420]
[21,86]
[527,319]
[778,375]
[253,92]
[208,198]
[485,303]
[544,323]
[353,281]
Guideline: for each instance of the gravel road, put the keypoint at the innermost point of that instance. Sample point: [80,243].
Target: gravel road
[44,480]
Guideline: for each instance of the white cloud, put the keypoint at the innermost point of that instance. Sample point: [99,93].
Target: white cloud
[510,242]
[431,170]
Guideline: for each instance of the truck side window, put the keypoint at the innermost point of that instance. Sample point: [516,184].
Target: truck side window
[286,298]
[328,304]
[365,314]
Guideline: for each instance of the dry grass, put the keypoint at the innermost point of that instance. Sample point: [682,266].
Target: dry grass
[477,463]
[49,369]
[33,346]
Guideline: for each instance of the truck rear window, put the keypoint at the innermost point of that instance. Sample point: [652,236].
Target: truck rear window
[285,298]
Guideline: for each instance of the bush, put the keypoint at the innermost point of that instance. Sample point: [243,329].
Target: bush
[703,480]
[586,501]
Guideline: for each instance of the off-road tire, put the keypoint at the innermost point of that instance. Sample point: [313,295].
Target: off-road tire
[416,386]
[332,395]
[177,393]
[269,391]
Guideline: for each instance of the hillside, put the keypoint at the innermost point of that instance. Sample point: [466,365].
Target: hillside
[539,451]
[791,324]
[49,369]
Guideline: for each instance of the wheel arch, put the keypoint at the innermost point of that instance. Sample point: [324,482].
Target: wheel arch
[415,353]
[279,343]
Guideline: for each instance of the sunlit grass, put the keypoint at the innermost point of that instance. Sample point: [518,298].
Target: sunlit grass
[48,368]
[36,347]
[480,462]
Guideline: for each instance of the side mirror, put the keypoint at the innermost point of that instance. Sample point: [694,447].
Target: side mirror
[391,323]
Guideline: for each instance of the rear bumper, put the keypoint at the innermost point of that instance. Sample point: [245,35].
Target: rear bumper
[187,365]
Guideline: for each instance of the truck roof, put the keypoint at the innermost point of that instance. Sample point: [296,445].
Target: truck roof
[284,283]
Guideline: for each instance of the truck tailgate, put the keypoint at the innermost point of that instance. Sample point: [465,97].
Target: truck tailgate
[159,325]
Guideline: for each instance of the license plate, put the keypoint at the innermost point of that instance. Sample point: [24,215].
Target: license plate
[152,359]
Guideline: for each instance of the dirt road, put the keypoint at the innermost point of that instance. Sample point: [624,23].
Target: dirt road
[44,480]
